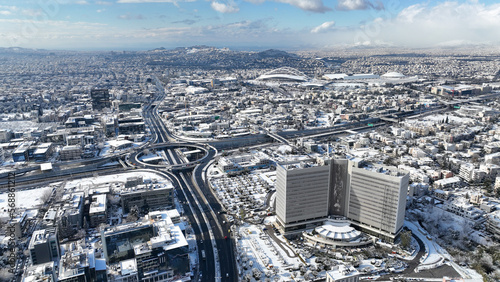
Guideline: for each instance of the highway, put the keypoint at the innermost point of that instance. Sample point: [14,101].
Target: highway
[212,232]
[200,204]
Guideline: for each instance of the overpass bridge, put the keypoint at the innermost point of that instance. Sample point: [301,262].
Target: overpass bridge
[278,138]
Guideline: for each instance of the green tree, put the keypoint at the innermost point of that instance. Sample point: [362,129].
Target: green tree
[406,239]
[242,213]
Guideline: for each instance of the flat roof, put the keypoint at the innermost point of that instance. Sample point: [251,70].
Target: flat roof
[46,166]
[98,204]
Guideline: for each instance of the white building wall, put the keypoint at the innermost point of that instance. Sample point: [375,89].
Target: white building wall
[377,200]
[302,194]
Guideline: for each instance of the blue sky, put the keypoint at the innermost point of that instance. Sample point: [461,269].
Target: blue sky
[246,24]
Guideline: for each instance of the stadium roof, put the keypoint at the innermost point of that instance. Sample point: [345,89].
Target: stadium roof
[284,73]
[393,75]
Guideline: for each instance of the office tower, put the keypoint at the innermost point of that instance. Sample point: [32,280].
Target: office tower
[372,198]
[100,99]
[301,195]
[377,200]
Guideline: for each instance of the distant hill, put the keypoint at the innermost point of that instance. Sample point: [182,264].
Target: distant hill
[273,53]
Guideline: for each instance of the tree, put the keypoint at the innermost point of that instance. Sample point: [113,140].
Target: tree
[133,215]
[65,229]
[406,239]
[85,223]
[242,213]
[80,234]
[102,226]
[46,195]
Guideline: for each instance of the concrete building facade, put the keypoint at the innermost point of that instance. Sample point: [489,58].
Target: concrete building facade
[301,195]
[44,246]
[377,200]
[372,198]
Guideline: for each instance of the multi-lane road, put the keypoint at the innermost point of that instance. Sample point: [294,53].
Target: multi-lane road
[214,239]
[212,232]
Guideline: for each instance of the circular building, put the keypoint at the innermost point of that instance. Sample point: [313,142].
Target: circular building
[337,233]
[393,75]
[284,74]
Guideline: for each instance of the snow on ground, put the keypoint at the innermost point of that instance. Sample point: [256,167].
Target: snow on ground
[23,125]
[257,250]
[193,252]
[269,177]
[451,119]
[283,149]
[122,177]
[146,156]
[370,265]
[26,199]
[436,252]
[242,190]
[433,256]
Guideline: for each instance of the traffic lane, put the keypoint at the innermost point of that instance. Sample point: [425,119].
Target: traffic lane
[207,266]
[226,254]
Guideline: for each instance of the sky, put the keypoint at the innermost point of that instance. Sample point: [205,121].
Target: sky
[246,24]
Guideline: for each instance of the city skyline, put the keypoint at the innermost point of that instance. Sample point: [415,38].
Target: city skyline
[252,24]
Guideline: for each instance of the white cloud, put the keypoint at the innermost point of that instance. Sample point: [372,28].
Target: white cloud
[347,5]
[8,7]
[32,12]
[308,5]
[128,16]
[82,2]
[424,25]
[152,1]
[106,3]
[5,13]
[326,26]
[101,10]
[225,8]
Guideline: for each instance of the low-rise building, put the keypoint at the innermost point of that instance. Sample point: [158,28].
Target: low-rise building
[493,224]
[463,208]
[71,152]
[74,264]
[98,211]
[153,249]
[44,272]
[342,273]
[151,196]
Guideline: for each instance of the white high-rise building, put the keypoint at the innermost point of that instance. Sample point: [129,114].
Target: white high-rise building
[372,198]
[301,195]
[377,200]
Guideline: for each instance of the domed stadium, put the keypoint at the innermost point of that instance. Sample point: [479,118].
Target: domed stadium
[393,75]
[284,74]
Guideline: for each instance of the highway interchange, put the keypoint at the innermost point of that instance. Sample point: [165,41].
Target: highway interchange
[204,212]
[211,230]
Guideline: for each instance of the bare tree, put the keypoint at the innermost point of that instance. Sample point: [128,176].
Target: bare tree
[47,194]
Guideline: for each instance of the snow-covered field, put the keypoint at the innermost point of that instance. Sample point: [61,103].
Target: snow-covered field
[256,250]
[122,177]
[25,199]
